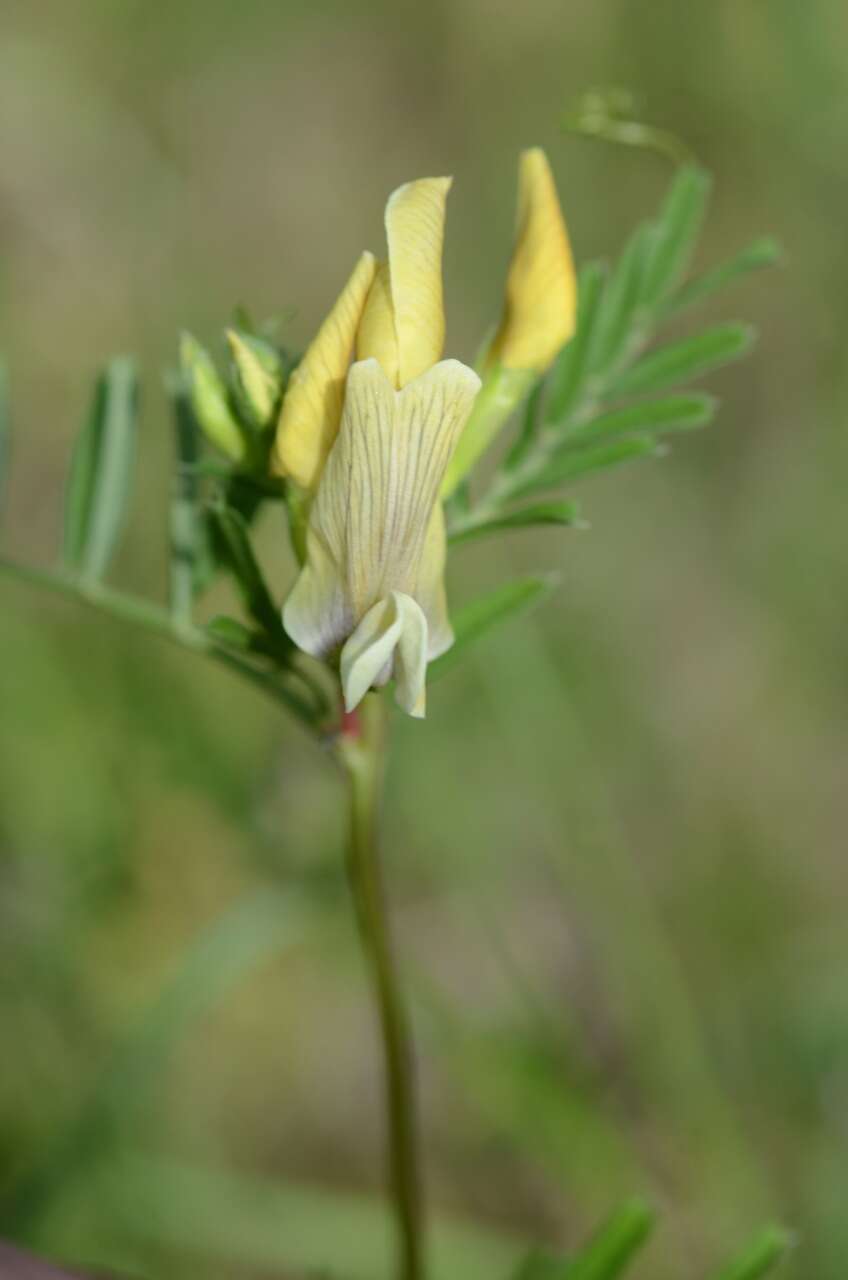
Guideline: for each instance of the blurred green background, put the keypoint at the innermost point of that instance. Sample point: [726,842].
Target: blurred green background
[616,846]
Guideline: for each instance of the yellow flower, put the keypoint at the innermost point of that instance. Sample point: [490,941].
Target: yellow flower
[372,445]
[541,291]
[540,307]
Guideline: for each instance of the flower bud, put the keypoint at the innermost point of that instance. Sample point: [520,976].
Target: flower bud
[209,400]
[258,376]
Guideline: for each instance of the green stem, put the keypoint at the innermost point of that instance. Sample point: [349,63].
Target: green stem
[152,617]
[362,750]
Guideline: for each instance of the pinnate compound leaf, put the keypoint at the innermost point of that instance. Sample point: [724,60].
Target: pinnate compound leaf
[101,469]
[483,614]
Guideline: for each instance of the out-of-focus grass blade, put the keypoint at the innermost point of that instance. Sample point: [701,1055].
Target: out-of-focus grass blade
[540,1265]
[561,513]
[187,530]
[685,360]
[677,232]
[235,540]
[613,1245]
[257,927]
[568,373]
[761,1255]
[604,1257]
[281,1228]
[620,300]
[765,252]
[671,413]
[574,462]
[101,468]
[488,611]
[4,430]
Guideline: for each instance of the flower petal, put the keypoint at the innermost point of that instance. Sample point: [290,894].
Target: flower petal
[541,290]
[376,337]
[415,223]
[312,406]
[371,520]
[411,658]
[366,658]
[430,588]
[390,639]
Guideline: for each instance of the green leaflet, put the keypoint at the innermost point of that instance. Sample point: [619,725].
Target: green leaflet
[561,513]
[685,360]
[677,232]
[765,252]
[101,468]
[671,413]
[531,421]
[567,375]
[574,462]
[480,616]
[621,299]
[761,1255]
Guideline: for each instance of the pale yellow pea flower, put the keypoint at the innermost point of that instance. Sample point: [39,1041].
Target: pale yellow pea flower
[371,446]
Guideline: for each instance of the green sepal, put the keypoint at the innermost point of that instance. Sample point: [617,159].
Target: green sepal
[257,373]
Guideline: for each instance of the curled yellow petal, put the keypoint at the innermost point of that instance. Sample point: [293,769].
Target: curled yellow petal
[312,406]
[541,290]
[390,640]
[376,338]
[415,224]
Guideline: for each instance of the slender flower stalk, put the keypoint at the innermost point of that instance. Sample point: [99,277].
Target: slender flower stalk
[361,750]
